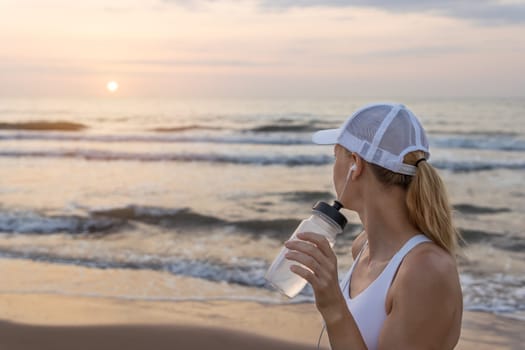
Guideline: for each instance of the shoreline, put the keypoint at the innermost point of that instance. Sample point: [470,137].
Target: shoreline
[55,322]
[51,319]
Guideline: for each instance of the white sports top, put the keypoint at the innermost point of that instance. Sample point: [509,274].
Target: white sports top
[368,307]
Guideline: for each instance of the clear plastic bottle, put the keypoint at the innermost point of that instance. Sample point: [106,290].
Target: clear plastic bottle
[326,220]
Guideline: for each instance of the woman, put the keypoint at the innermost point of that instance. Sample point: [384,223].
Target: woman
[403,290]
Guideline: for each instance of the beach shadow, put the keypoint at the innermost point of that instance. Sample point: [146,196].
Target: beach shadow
[14,336]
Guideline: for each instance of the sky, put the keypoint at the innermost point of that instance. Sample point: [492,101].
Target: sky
[262,48]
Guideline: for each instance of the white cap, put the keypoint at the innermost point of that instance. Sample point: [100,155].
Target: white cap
[381,133]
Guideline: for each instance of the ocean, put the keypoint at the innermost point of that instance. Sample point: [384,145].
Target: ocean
[209,189]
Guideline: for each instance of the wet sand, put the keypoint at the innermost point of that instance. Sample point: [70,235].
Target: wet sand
[49,320]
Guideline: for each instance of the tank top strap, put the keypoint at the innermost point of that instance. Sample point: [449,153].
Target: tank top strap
[396,260]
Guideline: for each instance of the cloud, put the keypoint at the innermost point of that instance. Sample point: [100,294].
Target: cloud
[488,12]
[198,62]
[482,11]
[193,5]
[412,52]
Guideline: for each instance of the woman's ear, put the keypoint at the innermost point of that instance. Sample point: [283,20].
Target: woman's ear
[359,164]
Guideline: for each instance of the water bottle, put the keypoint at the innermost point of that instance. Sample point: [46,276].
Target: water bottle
[325,220]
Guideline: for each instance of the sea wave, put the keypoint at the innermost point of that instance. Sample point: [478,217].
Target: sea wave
[167,217]
[307,127]
[188,218]
[268,128]
[112,219]
[487,133]
[185,128]
[459,166]
[495,293]
[466,166]
[501,241]
[267,135]
[247,272]
[495,143]
[100,155]
[306,196]
[289,139]
[466,208]
[43,125]
[36,223]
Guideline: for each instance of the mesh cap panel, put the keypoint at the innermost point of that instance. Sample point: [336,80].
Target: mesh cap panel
[382,134]
[365,124]
[399,135]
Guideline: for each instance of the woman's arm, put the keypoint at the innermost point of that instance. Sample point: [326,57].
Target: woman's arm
[425,298]
[426,303]
[314,252]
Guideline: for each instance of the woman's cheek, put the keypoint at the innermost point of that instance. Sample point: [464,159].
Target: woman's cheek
[336,184]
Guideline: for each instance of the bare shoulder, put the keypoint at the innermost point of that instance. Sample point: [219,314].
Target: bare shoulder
[428,272]
[358,243]
[425,302]
[427,261]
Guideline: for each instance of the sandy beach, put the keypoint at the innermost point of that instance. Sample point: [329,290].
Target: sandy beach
[51,320]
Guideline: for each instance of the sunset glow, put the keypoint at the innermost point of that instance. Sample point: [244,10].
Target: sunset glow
[256,48]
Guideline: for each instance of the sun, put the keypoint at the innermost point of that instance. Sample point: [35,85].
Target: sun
[112,86]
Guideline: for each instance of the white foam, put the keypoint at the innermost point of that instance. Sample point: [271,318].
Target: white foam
[496,293]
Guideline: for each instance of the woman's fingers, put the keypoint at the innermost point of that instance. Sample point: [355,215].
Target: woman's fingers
[306,260]
[304,273]
[319,240]
[308,249]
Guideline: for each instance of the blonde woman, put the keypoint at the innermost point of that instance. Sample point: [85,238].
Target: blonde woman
[403,290]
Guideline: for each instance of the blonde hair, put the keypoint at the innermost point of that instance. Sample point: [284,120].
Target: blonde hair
[427,201]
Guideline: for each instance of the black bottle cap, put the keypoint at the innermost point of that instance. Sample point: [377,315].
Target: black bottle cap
[332,211]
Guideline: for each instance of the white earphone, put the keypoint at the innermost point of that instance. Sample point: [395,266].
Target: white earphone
[350,171]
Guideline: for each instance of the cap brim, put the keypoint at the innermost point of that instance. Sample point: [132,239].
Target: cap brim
[326,137]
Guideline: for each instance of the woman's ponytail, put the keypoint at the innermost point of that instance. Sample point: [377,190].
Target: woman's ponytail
[429,208]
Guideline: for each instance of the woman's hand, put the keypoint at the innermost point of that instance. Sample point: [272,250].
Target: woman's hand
[313,251]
